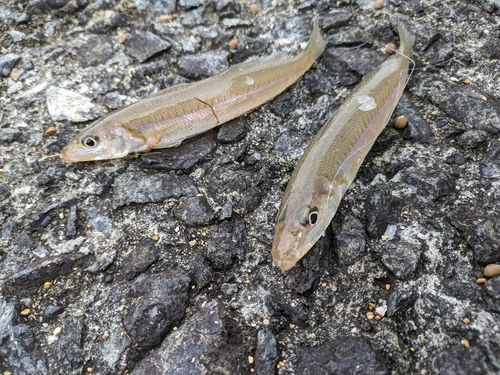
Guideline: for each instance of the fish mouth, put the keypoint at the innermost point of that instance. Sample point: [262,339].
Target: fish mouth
[284,249]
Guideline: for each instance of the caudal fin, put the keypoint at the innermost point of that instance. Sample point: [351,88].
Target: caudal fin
[406,38]
[316,44]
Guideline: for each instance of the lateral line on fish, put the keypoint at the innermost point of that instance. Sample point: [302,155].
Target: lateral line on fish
[212,108]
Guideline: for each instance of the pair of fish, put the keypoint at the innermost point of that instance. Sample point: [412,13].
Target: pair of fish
[325,171]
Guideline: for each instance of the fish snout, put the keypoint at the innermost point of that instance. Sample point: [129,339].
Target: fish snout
[285,248]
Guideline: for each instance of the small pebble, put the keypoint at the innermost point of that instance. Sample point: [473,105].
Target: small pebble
[131,6]
[370,315]
[400,122]
[491,270]
[233,44]
[412,349]
[250,359]
[156,238]
[105,336]
[47,285]
[254,8]
[51,130]
[466,320]
[292,326]
[90,370]
[122,37]
[387,286]
[379,4]
[57,331]
[466,81]
[15,75]
[389,49]
[371,306]
[25,312]
[480,280]
[465,343]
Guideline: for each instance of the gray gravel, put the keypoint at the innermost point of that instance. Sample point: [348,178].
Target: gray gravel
[160,264]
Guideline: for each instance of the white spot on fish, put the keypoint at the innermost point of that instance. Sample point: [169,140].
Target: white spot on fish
[249,80]
[367,102]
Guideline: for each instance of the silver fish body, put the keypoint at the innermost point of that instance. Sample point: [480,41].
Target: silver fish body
[332,159]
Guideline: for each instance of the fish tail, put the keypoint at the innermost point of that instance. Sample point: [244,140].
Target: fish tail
[316,44]
[406,38]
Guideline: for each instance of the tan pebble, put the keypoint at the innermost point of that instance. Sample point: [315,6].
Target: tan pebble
[491,270]
[122,37]
[105,336]
[46,243]
[7,373]
[389,49]
[131,6]
[47,285]
[15,75]
[371,306]
[292,326]
[465,343]
[25,312]
[466,81]
[252,370]
[156,238]
[254,8]
[466,320]
[387,286]
[384,237]
[379,4]
[233,44]
[250,359]
[192,242]
[57,331]
[400,122]
[370,315]
[378,316]
[51,130]
[480,280]
[412,349]
[485,98]
[90,370]
[405,212]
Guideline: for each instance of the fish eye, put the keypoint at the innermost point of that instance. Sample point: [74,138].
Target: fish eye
[90,141]
[313,216]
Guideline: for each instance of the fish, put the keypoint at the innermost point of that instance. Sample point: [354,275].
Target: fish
[332,159]
[169,116]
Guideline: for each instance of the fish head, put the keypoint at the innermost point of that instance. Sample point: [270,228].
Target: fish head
[299,225]
[98,143]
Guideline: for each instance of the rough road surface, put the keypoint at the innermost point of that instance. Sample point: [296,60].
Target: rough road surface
[161,264]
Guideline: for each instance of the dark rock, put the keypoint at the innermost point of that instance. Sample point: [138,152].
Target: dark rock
[139,259]
[491,163]
[284,104]
[254,158]
[204,64]
[187,4]
[226,244]
[398,302]
[42,270]
[50,27]
[94,51]
[50,312]
[68,350]
[266,353]
[111,351]
[161,300]
[248,47]
[103,262]
[350,37]
[70,8]
[432,182]
[183,157]
[276,307]
[359,60]
[7,63]
[143,44]
[227,8]
[382,208]
[232,131]
[291,144]
[44,6]
[490,5]
[254,31]
[459,360]
[305,275]
[156,8]
[443,54]
[491,48]
[192,348]
[99,218]
[402,259]
[343,355]
[492,287]
[71,223]
[334,20]
[139,187]
[425,35]
[384,33]
[350,243]
[52,173]
[191,18]
[4,192]
[112,100]
[472,139]
[464,291]
[116,20]
[200,271]
[18,347]
[11,135]
[418,129]
[194,211]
